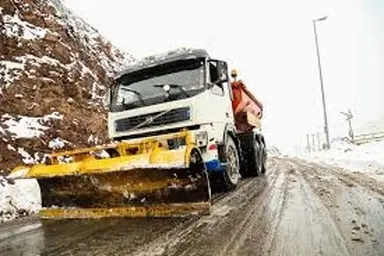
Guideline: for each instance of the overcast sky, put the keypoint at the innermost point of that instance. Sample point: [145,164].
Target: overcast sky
[271,43]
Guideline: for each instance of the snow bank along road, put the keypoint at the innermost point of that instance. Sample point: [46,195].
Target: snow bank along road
[297,208]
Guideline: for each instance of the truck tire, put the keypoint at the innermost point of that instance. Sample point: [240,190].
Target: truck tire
[254,163]
[251,155]
[231,175]
[263,156]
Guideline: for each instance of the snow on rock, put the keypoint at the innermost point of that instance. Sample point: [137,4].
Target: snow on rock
[18,198]
[58,143]
[26,157]
[51,60]
[366,158]
[12,71]
[10,147]
[27,127]
[15,27]
[37,61]
[93,139]
[31,159]
[91,37]
[2,131]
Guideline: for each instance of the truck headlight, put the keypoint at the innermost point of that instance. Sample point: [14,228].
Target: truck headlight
[201,138]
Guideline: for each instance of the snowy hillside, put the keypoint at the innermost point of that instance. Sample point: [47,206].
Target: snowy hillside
[54,74]
[366,158]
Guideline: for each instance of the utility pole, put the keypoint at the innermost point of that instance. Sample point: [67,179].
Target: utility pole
[326,129]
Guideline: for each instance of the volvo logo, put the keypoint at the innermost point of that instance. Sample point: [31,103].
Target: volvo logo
[149,120]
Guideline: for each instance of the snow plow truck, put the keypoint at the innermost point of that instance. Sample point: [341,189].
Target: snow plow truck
[179,125]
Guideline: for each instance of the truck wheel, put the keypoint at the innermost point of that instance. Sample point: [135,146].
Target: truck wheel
[231,174]
[263,162]
[254,163]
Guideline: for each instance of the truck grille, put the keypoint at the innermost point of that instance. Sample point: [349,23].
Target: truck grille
[173,116]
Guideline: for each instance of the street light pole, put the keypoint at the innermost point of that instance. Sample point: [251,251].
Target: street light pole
[326,129]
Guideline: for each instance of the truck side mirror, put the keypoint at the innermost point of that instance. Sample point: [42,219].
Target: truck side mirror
[222,72]
[218,71]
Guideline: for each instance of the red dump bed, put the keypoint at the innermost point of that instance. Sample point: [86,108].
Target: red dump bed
[247,109]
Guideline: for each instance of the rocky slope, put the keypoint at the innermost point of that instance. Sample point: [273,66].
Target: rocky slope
[54,73]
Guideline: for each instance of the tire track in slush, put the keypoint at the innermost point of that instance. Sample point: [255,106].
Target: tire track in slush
[307,219]
[251,218]
[304,170]
[210,234]
[261,221]
[347,177]
[357,208]
[169,242]
[265,213]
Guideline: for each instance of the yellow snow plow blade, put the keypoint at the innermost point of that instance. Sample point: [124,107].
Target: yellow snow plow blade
[165,176]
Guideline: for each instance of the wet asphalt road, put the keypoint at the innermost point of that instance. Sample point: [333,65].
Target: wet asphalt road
[297,208]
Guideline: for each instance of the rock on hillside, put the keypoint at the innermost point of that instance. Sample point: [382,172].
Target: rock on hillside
[54,73]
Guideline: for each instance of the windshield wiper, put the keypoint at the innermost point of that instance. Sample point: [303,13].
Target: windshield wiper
[139,96]
[180,87]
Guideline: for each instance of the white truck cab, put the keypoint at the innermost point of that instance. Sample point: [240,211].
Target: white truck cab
[179,90]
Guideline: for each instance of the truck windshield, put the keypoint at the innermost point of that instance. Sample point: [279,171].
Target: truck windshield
[167,82]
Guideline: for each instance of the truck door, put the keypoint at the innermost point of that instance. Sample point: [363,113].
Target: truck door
[220,89]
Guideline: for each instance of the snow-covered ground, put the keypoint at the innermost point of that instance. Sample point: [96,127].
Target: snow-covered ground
[367,158]
[18,198]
